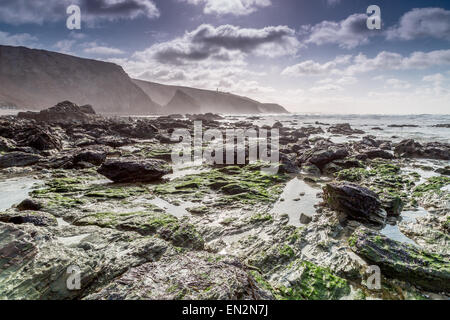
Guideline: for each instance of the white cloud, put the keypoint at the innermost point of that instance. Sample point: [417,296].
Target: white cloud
[437,78]
[17,12]
[422,23]
[95,49]
[65,46]
[348,33]
[328,88]
[312,68]
[20,39]
[233,7]
[394,61]
[397,84]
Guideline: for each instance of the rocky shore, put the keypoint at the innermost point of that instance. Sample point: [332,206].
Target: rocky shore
[108,199]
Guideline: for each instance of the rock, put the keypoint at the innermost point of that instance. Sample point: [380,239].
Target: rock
[205,117]
[446,125]
[34,262]
[357,202]
[430,271]
[40,219]
[311,170]
[114,142]
[320,157]
[344,129]
[41,139]
[378,153]
[403,126]
[29,204]
[174,278]
[305,219]
[277,125]
[6,144]
[18,159]
[94,157]
[434,150]
[288,165]
[122,170]
[65,111]
[444,171]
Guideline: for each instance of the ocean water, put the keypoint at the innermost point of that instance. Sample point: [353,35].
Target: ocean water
[425,132]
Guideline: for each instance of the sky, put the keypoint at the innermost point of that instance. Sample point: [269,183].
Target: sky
[311,56]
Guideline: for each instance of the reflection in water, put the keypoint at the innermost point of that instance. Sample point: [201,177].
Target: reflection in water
[14,191]
[298,197]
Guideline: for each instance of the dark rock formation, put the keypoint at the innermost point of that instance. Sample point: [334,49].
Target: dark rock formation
[357,202]
[412,149]
[123,170]
[344,129]
[18,159]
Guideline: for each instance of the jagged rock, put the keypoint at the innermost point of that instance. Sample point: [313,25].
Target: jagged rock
[378,153]
[18,159]
[29,204]
[95,157]
[6,144]
[37,218]
[444,171]
[114,142]
[34,262]
[176,278]
[357,202]
[122,170]
[413,264]
[320,157]
[412,149]
[62,112]
[344,129]
[305,219]
[41,139]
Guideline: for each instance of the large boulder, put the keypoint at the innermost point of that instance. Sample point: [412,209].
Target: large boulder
[40,139]
[321,156]
[357,202]
[65,111]
[407,262]
[95,157]
[18,159]
[126,170]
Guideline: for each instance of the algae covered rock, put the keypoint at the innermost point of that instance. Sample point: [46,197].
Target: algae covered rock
[192,276]
[407,262]
[123,170]
[357,202]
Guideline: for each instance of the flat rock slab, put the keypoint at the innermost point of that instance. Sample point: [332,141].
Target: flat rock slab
[407,262]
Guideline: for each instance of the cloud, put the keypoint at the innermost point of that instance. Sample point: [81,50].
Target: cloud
[348,33]
[394,61]
[100,50]
[397,84]
[312,68]
[17,12]
[21,39]
[437,79]
[65,46]
[349,65]
[225,43]
[232,7]
[333,2]
[422,23]
[328,88]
